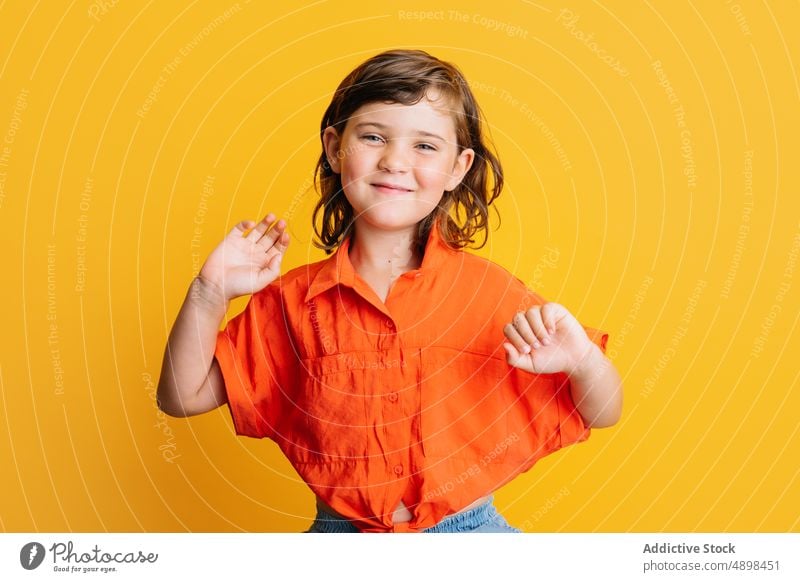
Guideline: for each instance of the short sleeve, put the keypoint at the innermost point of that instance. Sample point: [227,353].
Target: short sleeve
[572,428]
[598,337]
[549,397]
[255,355]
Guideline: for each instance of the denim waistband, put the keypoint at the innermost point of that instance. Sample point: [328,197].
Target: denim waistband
[469,519]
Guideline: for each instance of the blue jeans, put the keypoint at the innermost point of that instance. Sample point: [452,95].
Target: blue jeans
[481,519]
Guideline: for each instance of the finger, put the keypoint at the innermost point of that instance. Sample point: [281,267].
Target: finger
[520,322]
[516,359]
[270,272]
[516,339]
[551,314]
[277,251]
[282,243]
[512,353]
[261,228]
[242,227]
[268,240]
[534,319]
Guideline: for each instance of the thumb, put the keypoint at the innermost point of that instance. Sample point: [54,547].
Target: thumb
[271,271]
[518,360]
[512,354]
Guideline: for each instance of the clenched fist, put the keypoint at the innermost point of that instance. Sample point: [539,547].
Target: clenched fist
[546,339]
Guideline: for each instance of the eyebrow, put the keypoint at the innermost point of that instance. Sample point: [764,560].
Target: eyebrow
[381,126]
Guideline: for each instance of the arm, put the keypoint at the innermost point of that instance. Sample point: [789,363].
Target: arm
[596,390]
[191,381]
[246,261]
[547,339]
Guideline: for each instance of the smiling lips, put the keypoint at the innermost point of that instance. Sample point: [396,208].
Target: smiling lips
[387,188]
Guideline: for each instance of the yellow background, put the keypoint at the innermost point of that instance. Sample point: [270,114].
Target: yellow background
[650,152]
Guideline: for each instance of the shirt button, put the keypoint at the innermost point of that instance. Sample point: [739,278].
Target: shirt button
[392,397]
[389,324]
[398,469]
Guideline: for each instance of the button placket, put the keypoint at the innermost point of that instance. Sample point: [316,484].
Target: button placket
[393,414]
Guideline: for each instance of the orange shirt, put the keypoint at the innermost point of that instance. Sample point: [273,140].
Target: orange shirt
[412,399]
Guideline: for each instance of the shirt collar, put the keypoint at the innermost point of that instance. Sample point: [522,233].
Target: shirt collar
[337,269]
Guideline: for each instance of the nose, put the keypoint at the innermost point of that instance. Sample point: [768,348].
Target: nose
[394,158]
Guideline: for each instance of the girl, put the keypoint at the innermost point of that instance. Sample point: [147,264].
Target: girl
[405,379]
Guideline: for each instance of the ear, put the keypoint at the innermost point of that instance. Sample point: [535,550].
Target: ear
[330,143]
[460,168]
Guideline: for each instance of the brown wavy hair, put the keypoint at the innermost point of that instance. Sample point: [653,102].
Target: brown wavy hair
[407,76]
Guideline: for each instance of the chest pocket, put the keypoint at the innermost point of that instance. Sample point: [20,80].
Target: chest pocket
[465,406]
[332,410]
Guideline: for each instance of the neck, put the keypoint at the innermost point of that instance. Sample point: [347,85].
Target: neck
[378,250]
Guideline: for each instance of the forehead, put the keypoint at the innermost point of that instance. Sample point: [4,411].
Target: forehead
[428,113]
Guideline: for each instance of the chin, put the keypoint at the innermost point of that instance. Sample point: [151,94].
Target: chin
[391,220]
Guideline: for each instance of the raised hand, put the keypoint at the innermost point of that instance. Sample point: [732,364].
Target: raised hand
[242,265]
[546,339]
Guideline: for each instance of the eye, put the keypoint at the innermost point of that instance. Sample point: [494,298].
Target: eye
[426,147]
[372,138]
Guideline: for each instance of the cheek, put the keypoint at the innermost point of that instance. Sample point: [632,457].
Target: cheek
[356,165]
[433,175]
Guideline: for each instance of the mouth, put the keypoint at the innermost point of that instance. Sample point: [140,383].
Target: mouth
[387,188]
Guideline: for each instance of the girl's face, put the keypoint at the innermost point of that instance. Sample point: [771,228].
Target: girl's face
[396,161]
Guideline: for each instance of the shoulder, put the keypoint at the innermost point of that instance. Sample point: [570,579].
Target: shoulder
[301,277]
[292,285]
[477,263]
[496,282]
